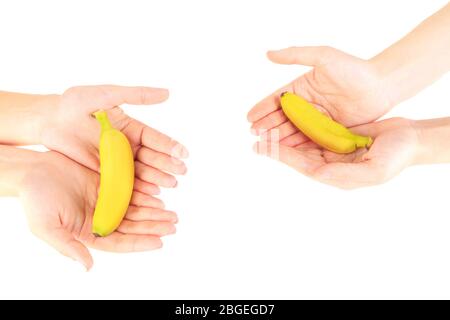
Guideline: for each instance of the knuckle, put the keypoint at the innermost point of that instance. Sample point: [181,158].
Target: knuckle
[142,94]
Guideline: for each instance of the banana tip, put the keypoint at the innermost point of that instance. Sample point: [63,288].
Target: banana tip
[283,93]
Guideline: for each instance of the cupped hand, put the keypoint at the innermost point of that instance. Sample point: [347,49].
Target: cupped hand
[59,197]
[395,147]
[346,88]
[72,131]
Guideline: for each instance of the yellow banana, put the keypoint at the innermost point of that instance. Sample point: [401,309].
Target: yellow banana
[116,178]
[319,128]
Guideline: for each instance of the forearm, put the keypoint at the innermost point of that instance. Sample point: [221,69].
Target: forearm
[418,59]
[14,164]
[433,140]
[24,116]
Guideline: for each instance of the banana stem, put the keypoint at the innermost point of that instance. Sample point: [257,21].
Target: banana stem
[102,118]
[362,142]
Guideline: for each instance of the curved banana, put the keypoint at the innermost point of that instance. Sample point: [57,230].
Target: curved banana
[319,128]
[116,178]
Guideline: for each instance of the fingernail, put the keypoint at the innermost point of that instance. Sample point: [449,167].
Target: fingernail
[163,91]
[173,230]
[184,153]
[174,183]
[183,170]
[85,266]
[158,246]
[179,151]
[177,161]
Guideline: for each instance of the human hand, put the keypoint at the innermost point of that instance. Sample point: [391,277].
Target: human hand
[59,197]
[72,130]
[345,87]
[396,146]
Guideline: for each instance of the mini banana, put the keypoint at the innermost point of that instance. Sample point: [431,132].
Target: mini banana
[319,128]
[116,178]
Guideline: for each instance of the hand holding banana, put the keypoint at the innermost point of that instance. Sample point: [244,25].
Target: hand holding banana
[321,129]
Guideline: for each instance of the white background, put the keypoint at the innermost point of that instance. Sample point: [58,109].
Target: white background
[249,227]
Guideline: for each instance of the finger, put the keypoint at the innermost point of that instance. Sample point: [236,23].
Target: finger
[306,56]
[294,140]
[161,161]
[150,214]
[375,128]
[369,129]
[303,162]
[350,175]
[146,187]
[358,155]
[152,175]
[158,141]
[279,133]
[310,56]
[270,121]
[144,200]
[310,147]
[268,104]
[86,154]
[119,242]
[155,228]
[66,244]
[117,95]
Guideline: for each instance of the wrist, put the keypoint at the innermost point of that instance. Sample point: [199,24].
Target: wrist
[23,117]
[391,77]
[46,109]
[15,163]
[433,138]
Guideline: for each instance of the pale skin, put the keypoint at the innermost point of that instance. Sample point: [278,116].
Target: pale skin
[64,124]
[59,197]
[355,92]
[398,144]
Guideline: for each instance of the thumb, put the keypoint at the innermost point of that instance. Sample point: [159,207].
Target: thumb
[66,244]
[306,56]
[110,96]
[117,95]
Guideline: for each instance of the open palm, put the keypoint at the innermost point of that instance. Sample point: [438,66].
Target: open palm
[59,197]
[75,133]
[344,87]
[394,148]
